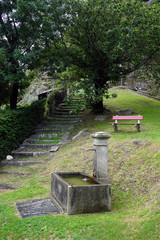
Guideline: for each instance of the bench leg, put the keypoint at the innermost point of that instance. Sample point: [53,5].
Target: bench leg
[138,126]
[115,127]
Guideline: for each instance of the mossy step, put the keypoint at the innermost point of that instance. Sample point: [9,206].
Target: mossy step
[39,146]
[28,154]
[19,163]
[56,125]
[45,135]
[64,116]
[64,112]
[61,125]
[41,130]
[51,141]
[61,121]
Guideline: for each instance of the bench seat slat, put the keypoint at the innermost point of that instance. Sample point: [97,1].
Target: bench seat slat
[127,117]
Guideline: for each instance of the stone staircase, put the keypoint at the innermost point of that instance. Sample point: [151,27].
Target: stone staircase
[46,139]
[49,134]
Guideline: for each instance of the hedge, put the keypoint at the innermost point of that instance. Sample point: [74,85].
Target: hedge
[16,125]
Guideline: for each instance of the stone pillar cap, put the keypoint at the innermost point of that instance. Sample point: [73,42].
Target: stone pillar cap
[102,135]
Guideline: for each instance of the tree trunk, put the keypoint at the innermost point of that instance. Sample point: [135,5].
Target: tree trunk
[97,105]
[14,96]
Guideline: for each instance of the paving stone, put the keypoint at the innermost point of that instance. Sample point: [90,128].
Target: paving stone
[36,207]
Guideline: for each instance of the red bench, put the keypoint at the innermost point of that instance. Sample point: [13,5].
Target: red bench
[117,118]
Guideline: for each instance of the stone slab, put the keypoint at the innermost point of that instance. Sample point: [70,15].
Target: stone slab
[80,134]
[35,140]
[50,130]
[36,208]
[63,117]
[64,121]
[54,148]
[29,154]
[19,163]
[39,146]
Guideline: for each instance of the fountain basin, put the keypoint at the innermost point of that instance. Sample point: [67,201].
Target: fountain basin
[75,192]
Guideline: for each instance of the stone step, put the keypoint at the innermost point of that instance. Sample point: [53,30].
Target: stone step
[39,146]
[73,105]
[65,108]
[64,116]
[56,125]
[60,121]
[38,141]
[19,163]
[65,112]
[68,111]
[48,135]
[27,154]
[43,130]
[59,125]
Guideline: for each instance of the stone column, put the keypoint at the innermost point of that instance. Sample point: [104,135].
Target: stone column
[100,159]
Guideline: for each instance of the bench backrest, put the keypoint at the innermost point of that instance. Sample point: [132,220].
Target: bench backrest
[127,117]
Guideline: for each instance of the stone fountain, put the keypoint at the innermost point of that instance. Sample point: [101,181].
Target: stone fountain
[75,192]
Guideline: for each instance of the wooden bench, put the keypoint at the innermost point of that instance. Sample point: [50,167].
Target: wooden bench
[117,118]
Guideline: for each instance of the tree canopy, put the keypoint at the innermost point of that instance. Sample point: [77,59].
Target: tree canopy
[20,31]
[106,40]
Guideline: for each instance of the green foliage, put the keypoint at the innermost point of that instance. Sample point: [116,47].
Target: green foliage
[107,40]
[20,45]
[54,99]
[16,125]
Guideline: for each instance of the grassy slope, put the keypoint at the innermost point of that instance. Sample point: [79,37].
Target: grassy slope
[133,171]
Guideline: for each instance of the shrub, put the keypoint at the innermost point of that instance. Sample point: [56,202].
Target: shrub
[16,125]
[54,99]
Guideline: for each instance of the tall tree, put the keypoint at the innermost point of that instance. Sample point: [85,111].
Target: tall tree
[107,40]
[20,25]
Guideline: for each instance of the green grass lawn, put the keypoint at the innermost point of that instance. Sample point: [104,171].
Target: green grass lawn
[133,171]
